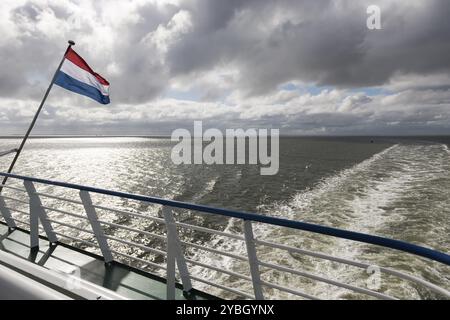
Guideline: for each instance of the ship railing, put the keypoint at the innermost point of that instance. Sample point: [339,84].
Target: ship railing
[177,264]
[7,152]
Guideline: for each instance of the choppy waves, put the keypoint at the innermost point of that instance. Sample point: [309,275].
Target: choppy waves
[401,192]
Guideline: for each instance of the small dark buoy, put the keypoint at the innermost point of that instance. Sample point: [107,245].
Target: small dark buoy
[371,141]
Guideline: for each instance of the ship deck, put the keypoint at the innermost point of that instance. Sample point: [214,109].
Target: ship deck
[129,282]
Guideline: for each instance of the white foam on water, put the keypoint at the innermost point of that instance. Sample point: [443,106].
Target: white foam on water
[370,200]
[365,198]
[300,203]
[209,187]
[446,149]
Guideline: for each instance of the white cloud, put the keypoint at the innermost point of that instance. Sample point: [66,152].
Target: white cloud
[165,35]
[330,112]
[232,57]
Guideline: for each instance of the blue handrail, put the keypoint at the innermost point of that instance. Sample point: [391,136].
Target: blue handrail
[334,232]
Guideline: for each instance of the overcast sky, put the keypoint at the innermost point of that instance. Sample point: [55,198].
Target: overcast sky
[306,67]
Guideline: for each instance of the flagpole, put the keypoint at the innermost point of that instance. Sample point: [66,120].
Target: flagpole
[33,122]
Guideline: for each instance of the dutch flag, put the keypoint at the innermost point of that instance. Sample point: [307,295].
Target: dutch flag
[76,75]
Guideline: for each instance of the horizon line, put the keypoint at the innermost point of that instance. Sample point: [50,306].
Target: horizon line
[16,136]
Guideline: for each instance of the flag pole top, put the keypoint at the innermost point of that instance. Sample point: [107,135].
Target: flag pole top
[71,42]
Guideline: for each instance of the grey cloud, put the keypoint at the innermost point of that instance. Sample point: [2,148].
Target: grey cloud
[261,44]
[29,62]
[270,42]
[324,42]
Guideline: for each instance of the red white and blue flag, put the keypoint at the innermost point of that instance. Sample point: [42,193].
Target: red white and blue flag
[76,75]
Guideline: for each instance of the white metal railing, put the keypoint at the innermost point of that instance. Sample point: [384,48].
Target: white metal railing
[174,249]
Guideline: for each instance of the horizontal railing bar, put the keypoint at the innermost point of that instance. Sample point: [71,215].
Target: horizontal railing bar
[139,259]
[150,234]
[311,253]
[134,244]
[231,255]
[77,239]
[17,210]
[230,273]
[138,215]
[212,231]
[46,195]
[13,188]
[70,226]
[237,292]
[356,264]
[415,279]
[24,222]
[14,199]
[330,231]
[65,212]
[289,290]
[329,281]
[41,229]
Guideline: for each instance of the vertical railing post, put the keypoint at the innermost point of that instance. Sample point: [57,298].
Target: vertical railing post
[170,271]
[95,225]
[174,253]
[6,213]
[37,213]
[253,260]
